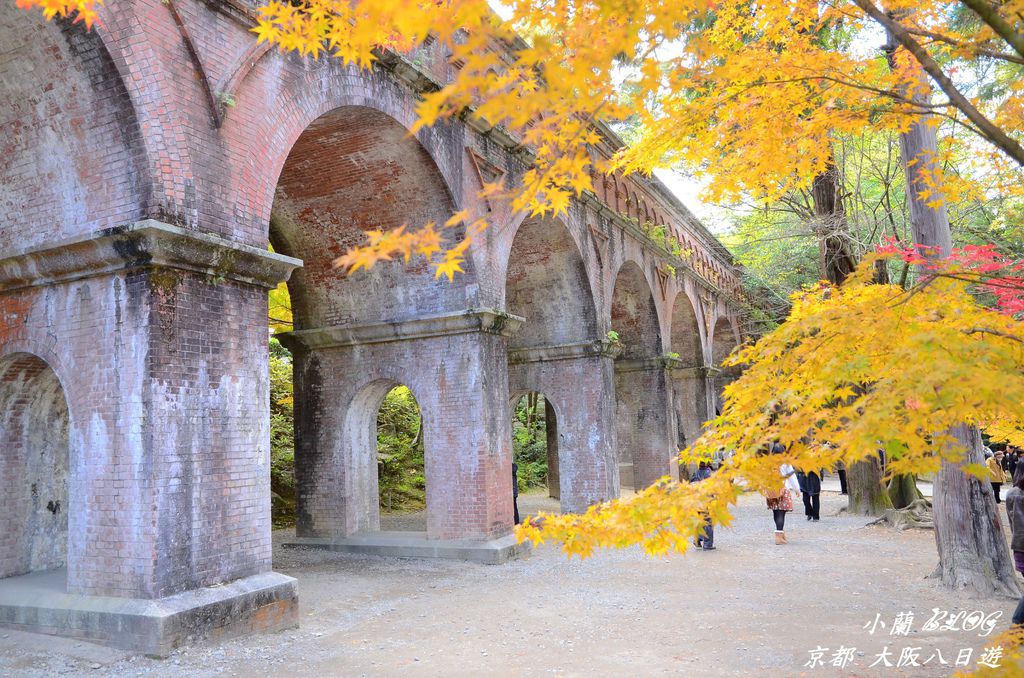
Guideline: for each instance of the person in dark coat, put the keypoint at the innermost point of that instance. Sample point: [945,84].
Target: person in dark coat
[1010,461]
[841,472]
[706,540]
[1015,512]
[515,491]
[810,488]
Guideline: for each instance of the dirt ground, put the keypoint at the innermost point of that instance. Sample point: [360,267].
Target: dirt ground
[749,608]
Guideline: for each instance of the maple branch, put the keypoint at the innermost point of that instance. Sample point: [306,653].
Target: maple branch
[923,108]
[989,130]
[983,51]
[997,333]
[987,13]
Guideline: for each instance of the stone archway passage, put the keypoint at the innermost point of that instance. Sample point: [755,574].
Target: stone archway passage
[34,467]
[723,341]
[644,429]
[557,352]
[401,461]
[356,169]
[378,454]
[535,442]
[689,387]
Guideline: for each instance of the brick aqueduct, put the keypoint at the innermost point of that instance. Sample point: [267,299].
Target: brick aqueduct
[145,166]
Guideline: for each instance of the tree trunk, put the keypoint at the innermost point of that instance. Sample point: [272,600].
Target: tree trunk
[836,261]
[968,533]
[903,491]
[836,257]
[867,494]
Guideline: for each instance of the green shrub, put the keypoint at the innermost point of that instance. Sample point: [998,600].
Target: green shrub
[529,442]
[282,436]
[400,466]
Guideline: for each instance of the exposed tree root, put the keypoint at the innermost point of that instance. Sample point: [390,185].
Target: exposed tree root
[917,515]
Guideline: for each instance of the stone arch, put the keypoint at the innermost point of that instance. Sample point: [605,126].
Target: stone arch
[289,94]
[689,390]
[685,338]
[634,314]
[355,169]
[38,489]
[359,435]
[723,340]
[75,161]
[546,282]
[642,398]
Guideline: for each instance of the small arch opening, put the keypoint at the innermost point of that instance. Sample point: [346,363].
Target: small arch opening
[401,469]
[387,444]
[35,472]
[535,455]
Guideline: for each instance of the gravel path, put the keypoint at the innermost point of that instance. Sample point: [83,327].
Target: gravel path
[749,608]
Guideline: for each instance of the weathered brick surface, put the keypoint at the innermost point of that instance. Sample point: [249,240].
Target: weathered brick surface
[71,157]
[170,111]
[581,390]
[467,437]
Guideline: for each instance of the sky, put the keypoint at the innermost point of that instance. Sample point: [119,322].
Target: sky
[688,189]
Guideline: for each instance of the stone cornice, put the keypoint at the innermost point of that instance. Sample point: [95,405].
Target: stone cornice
[661,362]
[584,349]
[474,320]
[144,244]
[689,372]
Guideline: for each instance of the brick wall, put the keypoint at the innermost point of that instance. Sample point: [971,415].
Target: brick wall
[461,386]
[71,157]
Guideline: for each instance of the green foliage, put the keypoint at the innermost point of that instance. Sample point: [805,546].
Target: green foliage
[400,464]
[529,441]
[282,436]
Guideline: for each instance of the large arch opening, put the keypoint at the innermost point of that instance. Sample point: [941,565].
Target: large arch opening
[688,390]
[723,341]
[640,392]
[353,170]
[634,315]
[35,470]
[551,358]
[546,283]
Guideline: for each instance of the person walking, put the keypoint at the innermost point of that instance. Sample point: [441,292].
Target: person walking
[841,472]
[997,476]
[810,488]
[1015,512]
[515,492]
[1010,461]
[781,502]
[705,540]
[801,479]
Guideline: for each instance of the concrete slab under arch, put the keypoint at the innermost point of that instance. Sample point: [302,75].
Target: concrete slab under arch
[402,544]
[39,603]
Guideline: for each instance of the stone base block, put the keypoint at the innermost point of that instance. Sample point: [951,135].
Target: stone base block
[38,603]
[416,545]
